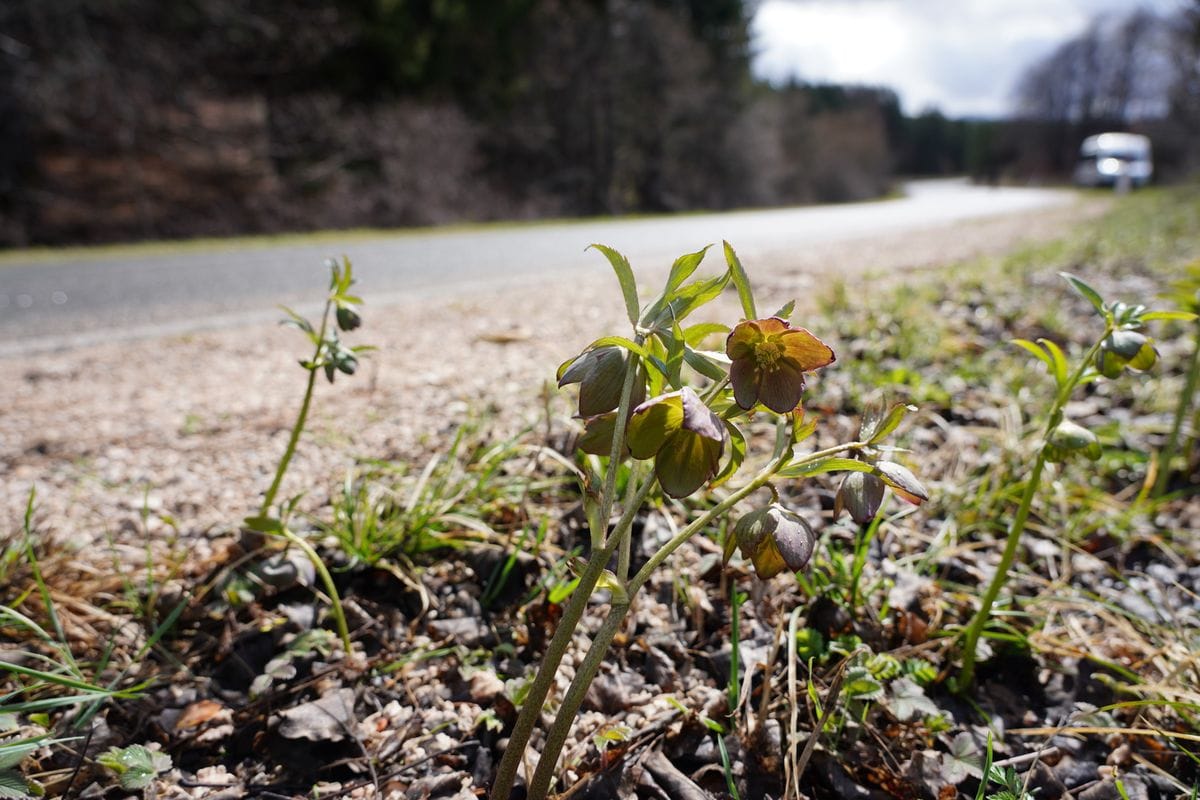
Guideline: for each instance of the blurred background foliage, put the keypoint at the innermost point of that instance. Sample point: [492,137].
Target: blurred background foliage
[127,119]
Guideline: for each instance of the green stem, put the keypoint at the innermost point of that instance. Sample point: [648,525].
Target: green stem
[531,709]
[335,600]
[1189,390]
[1000,578]
[975,629]
[301,419]
[540,783]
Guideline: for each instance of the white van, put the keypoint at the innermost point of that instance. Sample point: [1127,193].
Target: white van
[1114,159]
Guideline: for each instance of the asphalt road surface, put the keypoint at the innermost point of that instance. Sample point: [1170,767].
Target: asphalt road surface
[56,303]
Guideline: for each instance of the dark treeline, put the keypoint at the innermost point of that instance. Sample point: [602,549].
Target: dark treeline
[125,119]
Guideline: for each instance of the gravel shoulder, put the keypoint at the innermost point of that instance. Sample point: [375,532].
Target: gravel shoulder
[191,426]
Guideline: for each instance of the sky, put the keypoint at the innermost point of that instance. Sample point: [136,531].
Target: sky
[963,57]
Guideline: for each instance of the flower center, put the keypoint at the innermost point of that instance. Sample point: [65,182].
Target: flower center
[767,355]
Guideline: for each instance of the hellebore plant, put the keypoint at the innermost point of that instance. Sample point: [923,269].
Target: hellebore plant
[691,429]
[330,356]
[1121,346]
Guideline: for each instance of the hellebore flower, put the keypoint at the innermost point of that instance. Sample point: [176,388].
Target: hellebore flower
[598,435]
[861,493]
[600,374]
[901,481]
[769,361]
[774,539]
[1121,349]
[683,436]
[1068,439]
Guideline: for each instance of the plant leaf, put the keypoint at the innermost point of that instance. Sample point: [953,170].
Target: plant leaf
[683,268]
[831,464]
[12,785]
[619,341]
[895,414]
[695,334]
[11,754]
[1086,291]
[704,363]
[1182,316]
[625,277]
[1059,367]
[1037,351]
[741,281]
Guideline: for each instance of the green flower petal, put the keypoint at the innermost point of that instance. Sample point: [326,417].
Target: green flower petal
[652,422]
[686,462]
[598,435]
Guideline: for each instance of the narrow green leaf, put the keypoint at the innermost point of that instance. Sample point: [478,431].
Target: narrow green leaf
[741,281]
[1086,291]
[1059,367]
[801,430]
[675,351]
[895,414]
[13,753]
[1181,316]
[785,313]
[691,297]
[625,277]
[263,524]
[619,341]
[1036,350]
[832,464]
[704,364]
[683,268]
[12,785]
[695,334]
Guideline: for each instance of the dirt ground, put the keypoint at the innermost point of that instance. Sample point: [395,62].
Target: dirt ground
[190,427]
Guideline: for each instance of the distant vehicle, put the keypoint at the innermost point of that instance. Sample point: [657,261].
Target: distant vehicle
[1114,159]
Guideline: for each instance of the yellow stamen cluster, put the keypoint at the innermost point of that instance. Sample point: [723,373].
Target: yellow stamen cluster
[767,354]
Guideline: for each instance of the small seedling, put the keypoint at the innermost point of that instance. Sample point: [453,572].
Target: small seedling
[330,357]
[1121,346]
[689,434]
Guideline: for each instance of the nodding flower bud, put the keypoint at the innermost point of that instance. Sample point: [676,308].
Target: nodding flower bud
[347,318]
[774,539]
[600,374]
[1069,439]
[861,493]
[1125,349]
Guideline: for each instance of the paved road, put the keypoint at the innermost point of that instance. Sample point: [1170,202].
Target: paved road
[82,299]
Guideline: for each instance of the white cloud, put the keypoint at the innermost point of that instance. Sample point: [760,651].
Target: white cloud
[962,56]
